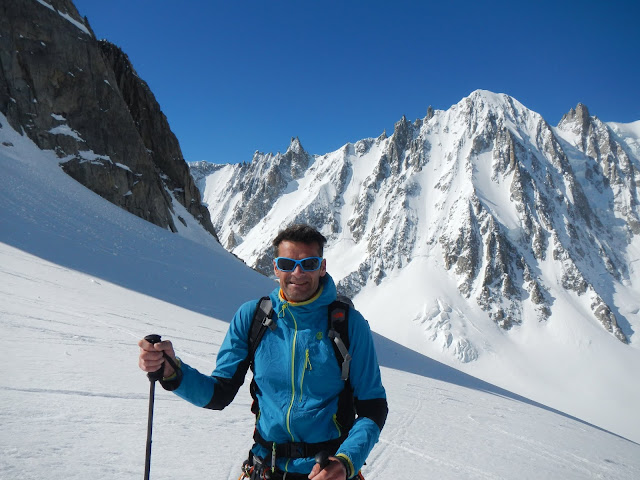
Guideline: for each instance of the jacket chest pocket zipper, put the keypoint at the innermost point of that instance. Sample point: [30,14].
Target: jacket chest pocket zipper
[307,366]
[337,424]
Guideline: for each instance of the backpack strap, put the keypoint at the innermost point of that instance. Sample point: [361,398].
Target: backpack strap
[262,319]
[339,332]
[338,329]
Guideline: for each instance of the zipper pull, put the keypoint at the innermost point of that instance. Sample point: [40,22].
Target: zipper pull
[307,361]
[283,306]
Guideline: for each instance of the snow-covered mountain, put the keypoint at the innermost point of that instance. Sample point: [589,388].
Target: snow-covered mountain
[81,280]
[492,233]
[487,186]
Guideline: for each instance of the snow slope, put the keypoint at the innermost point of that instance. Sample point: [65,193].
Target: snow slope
[81,281]
[458,237]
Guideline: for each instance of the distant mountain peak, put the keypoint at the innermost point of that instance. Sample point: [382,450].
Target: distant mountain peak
[295,146]
[517,213]
[579,116]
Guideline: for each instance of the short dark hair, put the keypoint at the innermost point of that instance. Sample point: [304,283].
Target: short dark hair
[300,233]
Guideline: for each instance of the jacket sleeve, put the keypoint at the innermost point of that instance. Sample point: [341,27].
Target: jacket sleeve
[217,390]
[369,396]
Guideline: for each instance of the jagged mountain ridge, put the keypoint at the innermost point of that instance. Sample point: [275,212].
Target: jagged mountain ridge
[488,187]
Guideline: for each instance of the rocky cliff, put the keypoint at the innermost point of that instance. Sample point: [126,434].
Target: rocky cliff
[82,98]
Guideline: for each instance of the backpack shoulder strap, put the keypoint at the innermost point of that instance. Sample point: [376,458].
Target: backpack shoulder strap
[339,332]
[262,319]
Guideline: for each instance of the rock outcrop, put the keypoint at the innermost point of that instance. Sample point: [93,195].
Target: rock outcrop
[82,98]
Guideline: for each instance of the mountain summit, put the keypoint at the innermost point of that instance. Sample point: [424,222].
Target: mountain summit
[522,216]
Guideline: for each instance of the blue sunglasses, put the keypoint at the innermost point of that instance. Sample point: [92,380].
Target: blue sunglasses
[309,264]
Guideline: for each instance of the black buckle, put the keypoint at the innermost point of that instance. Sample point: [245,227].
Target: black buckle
[293,450]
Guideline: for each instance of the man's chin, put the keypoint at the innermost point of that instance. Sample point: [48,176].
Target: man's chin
[298,293]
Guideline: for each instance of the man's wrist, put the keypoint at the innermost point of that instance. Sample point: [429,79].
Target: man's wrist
[173,373]
[346,462]
[173,381]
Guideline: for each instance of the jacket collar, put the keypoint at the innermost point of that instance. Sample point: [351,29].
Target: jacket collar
[324,296]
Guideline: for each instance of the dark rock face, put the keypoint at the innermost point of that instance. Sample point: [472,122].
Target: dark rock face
[82,98]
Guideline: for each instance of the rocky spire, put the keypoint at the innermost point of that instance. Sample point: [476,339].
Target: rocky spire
[579,116]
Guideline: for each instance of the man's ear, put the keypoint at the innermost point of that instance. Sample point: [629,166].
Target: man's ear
[323,267]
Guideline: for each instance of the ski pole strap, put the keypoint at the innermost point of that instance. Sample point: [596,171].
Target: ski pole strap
[174,380]
[170,361]
[298,449]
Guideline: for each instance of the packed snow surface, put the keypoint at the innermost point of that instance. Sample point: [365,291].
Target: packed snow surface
[82,280]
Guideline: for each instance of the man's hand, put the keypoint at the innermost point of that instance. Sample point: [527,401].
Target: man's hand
[151,356]
[334,471]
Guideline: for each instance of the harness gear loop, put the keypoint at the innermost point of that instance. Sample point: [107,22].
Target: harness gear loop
[246,470]
[273,456]
[257,468]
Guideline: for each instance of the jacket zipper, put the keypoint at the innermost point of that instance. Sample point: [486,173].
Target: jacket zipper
[293,371]
[307,363]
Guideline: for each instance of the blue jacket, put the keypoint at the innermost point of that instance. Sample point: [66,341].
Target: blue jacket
[298,379]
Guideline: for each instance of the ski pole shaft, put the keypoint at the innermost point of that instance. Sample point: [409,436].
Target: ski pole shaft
[153,376]
[147,463]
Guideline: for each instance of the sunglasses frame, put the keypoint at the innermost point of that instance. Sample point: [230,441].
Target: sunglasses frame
[299,262]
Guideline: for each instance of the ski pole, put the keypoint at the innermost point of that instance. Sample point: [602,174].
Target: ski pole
[153,376]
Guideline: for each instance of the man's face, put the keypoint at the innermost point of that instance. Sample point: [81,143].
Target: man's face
[299,285]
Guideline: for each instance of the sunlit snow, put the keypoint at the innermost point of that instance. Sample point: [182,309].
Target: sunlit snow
[81,280]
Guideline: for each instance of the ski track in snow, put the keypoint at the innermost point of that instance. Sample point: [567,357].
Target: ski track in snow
[74,393]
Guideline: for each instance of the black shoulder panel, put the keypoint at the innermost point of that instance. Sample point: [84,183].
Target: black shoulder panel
[376,409]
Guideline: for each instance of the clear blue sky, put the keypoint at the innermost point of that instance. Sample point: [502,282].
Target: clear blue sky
[234,77]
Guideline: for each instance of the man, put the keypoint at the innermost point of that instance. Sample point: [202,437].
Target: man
[299,395]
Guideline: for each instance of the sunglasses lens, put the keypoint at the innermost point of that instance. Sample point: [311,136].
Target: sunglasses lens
[285,264]
[310,264]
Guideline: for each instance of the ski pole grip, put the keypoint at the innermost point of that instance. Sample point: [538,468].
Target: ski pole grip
[153,338]
[157,375]
[322,458]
